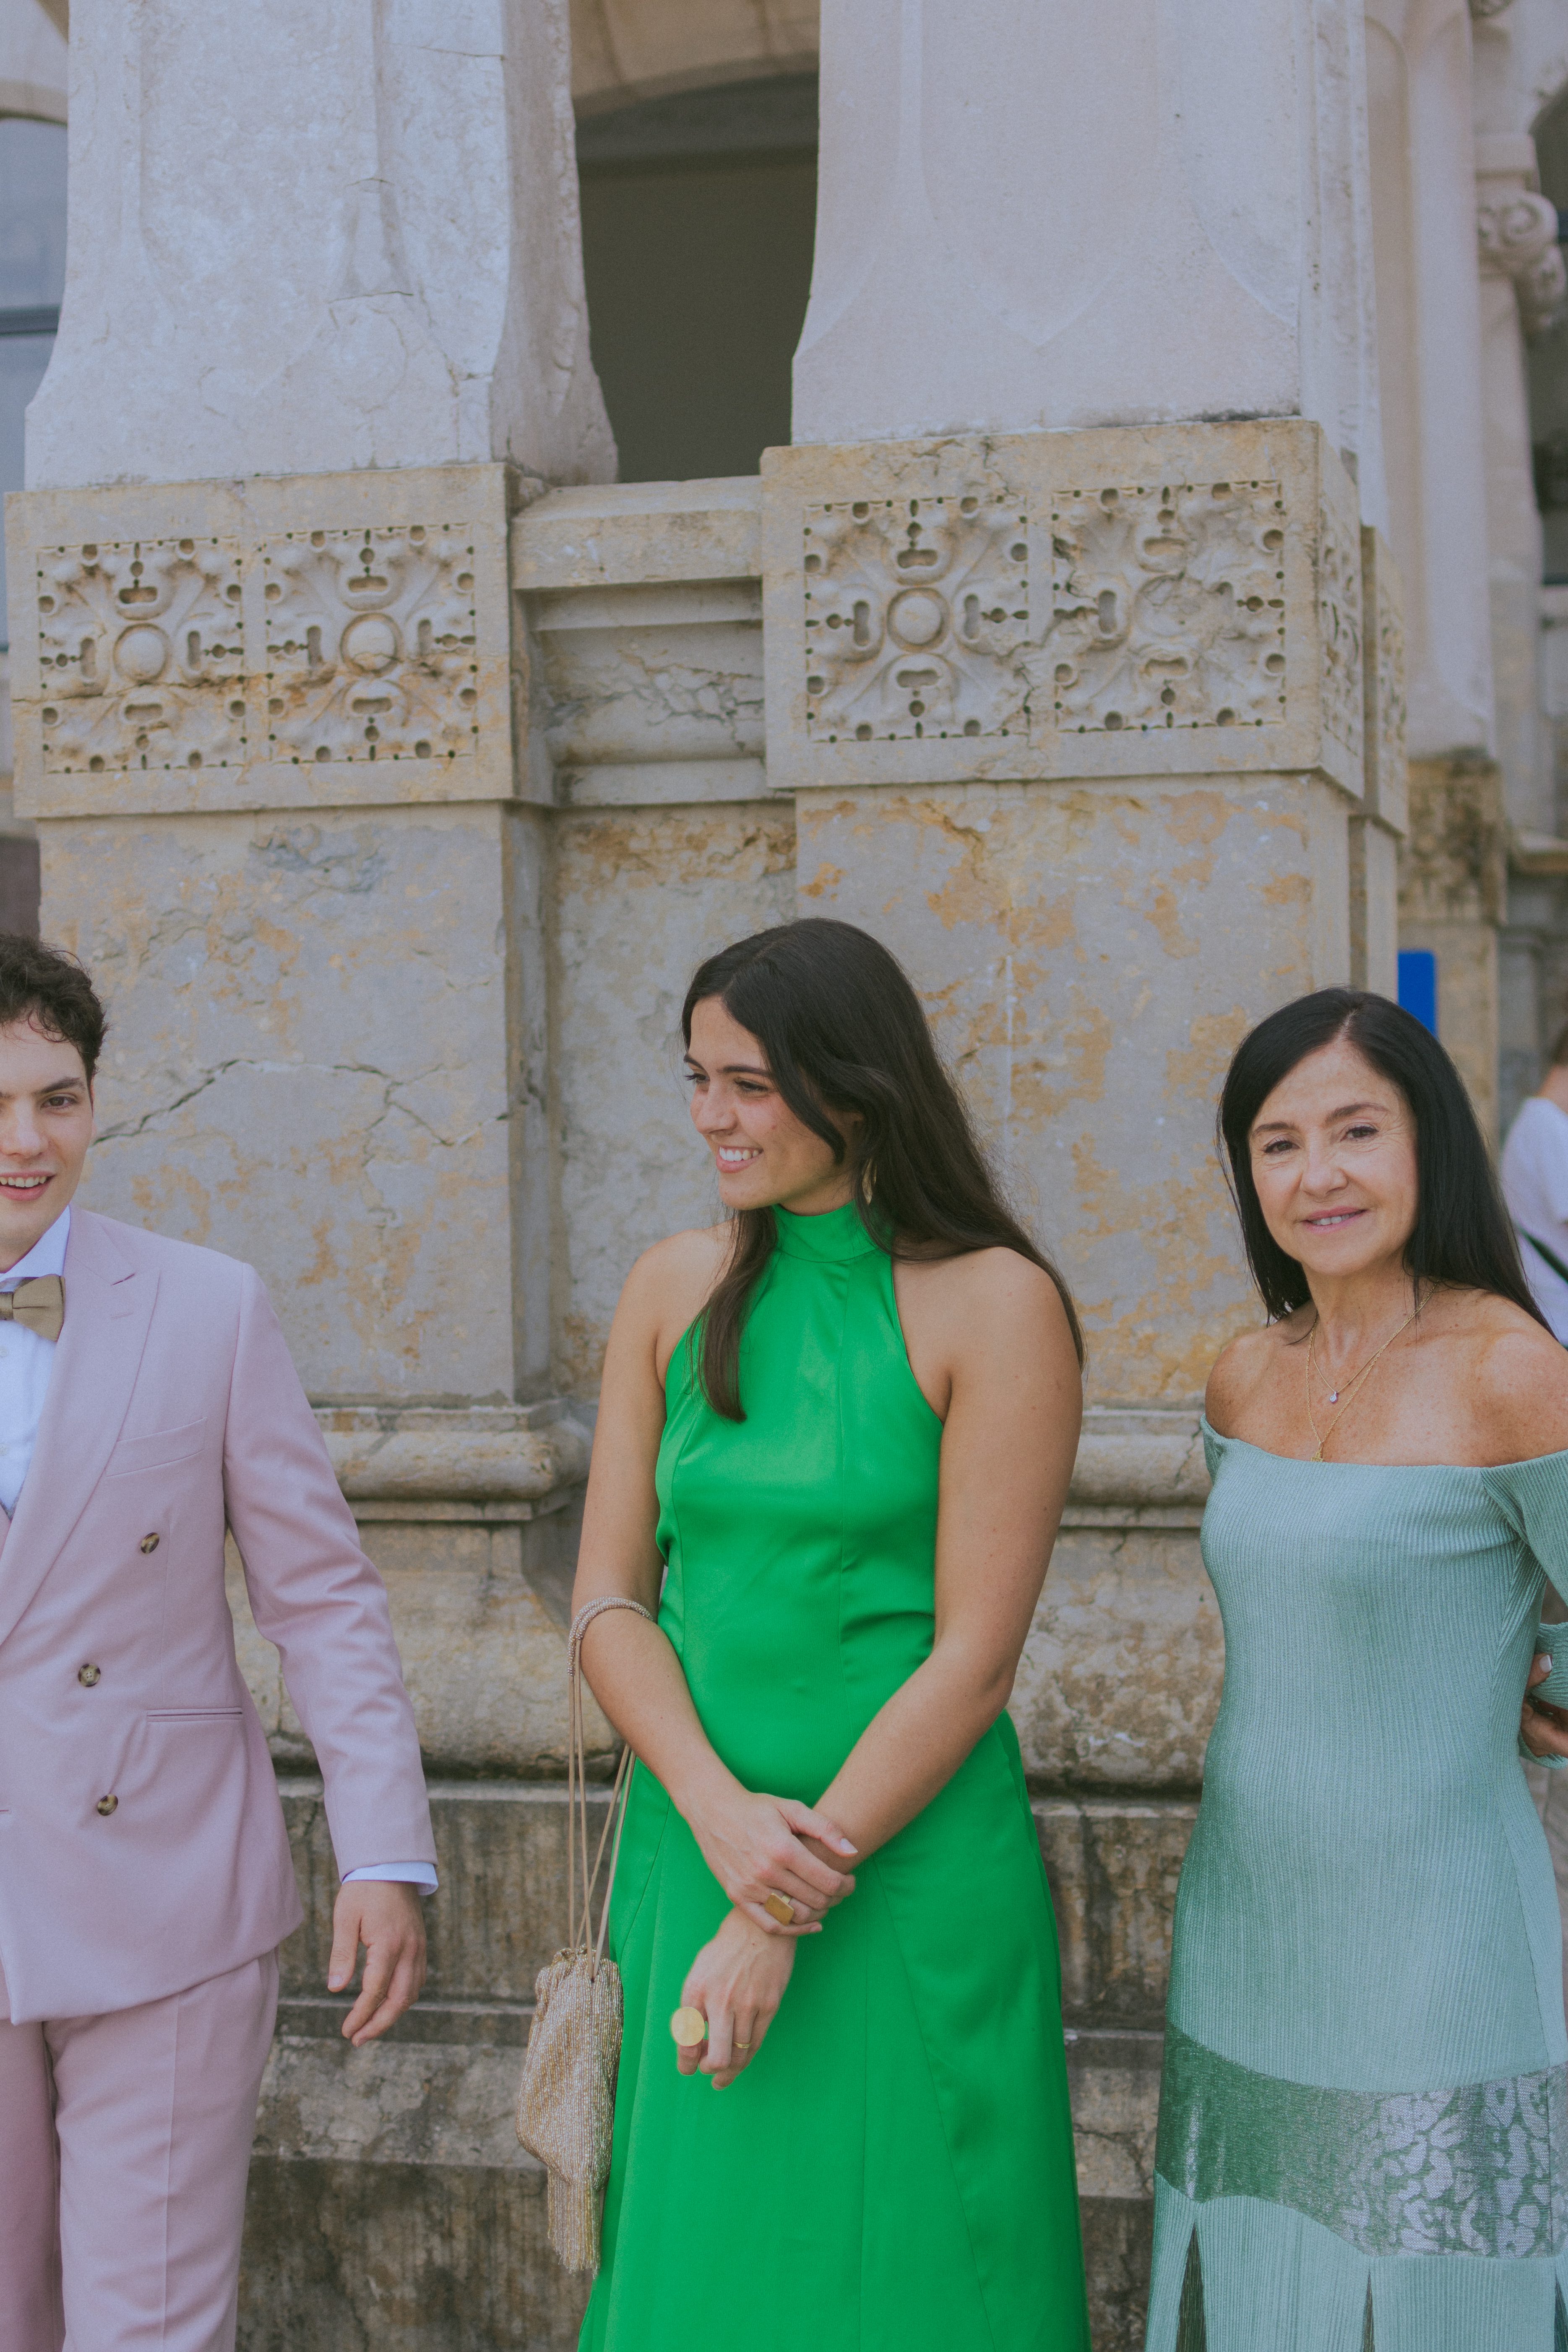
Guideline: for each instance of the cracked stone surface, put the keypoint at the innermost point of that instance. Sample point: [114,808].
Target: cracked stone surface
[641,896]
[308,1068]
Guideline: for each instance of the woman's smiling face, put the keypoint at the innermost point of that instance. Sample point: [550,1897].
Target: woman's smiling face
[765,1157]
[1333,1157]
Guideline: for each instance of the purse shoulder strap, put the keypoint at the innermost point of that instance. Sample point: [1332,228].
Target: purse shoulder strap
[578,1786]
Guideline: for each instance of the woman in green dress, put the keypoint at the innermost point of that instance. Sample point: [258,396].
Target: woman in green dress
[1363,2125]
[835,1438]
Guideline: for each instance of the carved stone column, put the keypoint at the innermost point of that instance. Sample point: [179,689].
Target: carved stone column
[1428,350]
[307,240]
[1038,216]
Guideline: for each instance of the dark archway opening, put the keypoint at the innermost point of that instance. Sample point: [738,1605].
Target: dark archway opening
[699,219]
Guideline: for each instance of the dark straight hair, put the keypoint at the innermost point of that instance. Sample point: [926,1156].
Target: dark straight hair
[1462,1234]
[844,1035]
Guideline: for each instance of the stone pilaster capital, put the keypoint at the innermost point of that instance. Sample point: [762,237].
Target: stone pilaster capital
[1517,231]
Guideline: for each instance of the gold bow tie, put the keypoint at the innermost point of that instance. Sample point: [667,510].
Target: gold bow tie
[39,1303]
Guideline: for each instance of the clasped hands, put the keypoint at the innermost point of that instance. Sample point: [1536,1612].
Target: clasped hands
[757,1846]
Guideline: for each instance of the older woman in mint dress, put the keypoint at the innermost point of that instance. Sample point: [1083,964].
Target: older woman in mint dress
[835,1438]
[1364,2129]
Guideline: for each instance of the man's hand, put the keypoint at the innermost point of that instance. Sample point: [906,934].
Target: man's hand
[388,1919]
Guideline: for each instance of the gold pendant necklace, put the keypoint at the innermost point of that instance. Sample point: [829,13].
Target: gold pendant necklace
[1350,1388]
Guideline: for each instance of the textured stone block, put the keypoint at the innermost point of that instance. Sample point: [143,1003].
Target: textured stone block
[1387,718]
[321,1059]
[501,1912]
[1118,2247]
[641,896]
[1119,1679]
[1090,956]
[1113,1867]
[344,2256]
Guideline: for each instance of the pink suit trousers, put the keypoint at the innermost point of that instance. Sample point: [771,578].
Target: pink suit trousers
[124,2146]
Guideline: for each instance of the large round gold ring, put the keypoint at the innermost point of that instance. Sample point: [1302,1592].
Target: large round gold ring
[779,1907]
[689,2027]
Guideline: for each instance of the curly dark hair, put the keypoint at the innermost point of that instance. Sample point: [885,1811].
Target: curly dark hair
[49,986]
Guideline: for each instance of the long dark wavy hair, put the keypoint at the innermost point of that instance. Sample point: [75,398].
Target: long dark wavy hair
[1462,1234]
[844,1036]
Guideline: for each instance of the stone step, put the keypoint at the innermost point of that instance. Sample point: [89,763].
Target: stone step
[501,1916]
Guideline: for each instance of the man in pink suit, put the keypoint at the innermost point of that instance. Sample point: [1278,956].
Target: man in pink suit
[147,1403]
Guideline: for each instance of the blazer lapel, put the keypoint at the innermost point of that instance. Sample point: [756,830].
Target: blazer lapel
[109,1305]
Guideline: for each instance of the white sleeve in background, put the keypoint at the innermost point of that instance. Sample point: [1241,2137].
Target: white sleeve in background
[1535,1187]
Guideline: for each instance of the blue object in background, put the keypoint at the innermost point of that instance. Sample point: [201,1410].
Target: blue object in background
[1418,985]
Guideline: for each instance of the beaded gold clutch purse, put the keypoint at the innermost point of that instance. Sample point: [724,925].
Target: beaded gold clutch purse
[566,2101]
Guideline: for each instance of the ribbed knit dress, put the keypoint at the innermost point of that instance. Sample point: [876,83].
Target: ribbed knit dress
[1364,2123]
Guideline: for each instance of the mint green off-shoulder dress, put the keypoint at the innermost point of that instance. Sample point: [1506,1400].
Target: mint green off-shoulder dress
[894,2171]
[1364,2123]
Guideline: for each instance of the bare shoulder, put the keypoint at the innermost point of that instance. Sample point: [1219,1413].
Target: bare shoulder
[980,1323]
[1241,1365]
[1516,1376]
[677,1273]
[986,1291]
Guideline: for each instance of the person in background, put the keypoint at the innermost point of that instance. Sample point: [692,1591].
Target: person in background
[1535,1186]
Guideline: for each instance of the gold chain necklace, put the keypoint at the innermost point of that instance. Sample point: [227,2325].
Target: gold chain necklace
[1348,1389]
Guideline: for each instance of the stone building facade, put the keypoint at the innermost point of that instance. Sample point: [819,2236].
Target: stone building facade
[1141,625]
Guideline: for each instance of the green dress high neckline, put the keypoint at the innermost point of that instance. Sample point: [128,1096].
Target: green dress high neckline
[832,1239]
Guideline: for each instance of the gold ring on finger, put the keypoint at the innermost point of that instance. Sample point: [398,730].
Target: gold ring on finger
[779,1907]
[740,2044]
[689,2027]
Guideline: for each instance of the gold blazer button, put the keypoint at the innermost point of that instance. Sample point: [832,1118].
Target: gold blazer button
[149,1543]
[106,1805]
[87,1675]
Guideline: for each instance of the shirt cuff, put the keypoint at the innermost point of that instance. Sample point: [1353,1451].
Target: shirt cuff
[403,1873]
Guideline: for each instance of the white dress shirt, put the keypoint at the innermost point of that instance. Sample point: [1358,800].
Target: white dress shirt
[26,1359]
[1535,1186]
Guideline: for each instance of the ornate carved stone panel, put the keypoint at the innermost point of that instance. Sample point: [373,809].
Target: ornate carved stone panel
[371,644]
[1339,620]
[1168,608]
[140,655]
[917,618]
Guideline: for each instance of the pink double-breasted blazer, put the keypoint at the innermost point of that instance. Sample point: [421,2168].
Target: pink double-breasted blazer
[143,1847]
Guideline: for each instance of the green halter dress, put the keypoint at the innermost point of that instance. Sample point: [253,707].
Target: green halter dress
[894,2171]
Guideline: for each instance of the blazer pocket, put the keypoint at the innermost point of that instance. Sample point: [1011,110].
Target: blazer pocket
[194,1713]
[158,1451]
